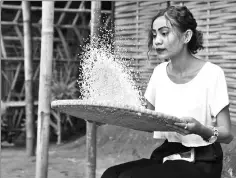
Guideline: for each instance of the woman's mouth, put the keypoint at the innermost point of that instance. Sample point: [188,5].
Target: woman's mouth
[160,50]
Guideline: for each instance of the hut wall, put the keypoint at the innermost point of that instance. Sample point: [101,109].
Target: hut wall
[216,19]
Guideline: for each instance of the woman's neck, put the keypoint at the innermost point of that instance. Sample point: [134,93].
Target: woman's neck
[182,63]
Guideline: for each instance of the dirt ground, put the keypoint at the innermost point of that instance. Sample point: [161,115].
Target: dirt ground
[115,145]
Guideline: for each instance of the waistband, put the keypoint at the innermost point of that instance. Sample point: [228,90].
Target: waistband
[211,152]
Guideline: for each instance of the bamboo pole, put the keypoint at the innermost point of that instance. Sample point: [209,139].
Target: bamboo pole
[14,81]
[91,126]
[36,8]
[59,129]
[64,43]
[28,68]
[91,142]
[3,49]
[57,126]
[1,112]
[19,34]
[63,14]
[44,89]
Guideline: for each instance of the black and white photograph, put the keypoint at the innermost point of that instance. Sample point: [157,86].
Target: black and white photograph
[118,89]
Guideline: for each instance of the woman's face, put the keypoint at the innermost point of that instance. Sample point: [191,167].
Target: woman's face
[166,42]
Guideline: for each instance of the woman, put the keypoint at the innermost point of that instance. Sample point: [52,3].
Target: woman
[189,88]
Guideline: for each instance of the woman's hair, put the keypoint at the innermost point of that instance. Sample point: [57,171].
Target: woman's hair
[181,18]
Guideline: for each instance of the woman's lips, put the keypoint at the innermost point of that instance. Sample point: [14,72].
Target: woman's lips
[160,50]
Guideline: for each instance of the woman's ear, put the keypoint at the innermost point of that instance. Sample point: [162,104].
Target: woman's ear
[188,35]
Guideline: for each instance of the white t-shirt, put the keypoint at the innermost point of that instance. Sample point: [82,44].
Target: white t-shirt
[201,98]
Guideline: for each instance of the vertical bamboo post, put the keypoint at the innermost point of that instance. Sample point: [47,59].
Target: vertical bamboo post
[3,49]
[28,68]
[1,92]
[208,30]
[91,142]
[91,126]
[95,17]
[137,32]
[45,89]
[113,17]
[59,129]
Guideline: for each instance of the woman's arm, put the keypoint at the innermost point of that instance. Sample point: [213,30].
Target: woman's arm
[223,126]
[195,127]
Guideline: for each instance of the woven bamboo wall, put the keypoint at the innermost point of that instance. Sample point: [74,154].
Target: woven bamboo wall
[216,19]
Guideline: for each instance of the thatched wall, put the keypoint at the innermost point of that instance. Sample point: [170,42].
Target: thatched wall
[216,19]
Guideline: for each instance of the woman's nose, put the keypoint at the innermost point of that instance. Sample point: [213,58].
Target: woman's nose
[157,41]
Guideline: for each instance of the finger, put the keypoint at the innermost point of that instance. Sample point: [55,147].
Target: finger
[187,119]
[182,125]
[171,126]
[182,129]
[175,127]
[178,129]
[181,121]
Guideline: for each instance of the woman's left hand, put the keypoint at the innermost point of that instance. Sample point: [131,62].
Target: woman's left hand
[187,125]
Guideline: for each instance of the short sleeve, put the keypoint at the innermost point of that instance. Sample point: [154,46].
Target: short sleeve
[150,93]
[219,94]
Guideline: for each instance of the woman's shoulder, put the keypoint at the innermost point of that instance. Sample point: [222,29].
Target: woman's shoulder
[213,68]
[161,66]
[212,73]
[160,69]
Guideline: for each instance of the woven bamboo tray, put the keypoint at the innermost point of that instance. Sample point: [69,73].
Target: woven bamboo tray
[125,116]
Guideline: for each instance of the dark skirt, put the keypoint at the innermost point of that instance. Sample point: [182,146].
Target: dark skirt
[208,164]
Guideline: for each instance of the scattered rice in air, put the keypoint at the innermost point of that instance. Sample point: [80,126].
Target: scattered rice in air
[106,75]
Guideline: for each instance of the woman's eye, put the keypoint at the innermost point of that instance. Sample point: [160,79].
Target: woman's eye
[154,35]
[164,33]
